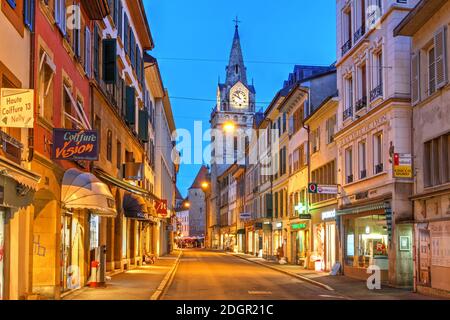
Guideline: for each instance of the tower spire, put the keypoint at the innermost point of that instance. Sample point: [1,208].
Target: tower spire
[236,70]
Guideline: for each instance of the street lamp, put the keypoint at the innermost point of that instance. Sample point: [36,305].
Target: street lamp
[205,185]
[187,205]
[229,127]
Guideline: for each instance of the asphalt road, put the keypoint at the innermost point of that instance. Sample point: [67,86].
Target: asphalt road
[209,275]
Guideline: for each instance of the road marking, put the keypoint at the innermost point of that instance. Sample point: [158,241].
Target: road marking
[334,297]
[260,292]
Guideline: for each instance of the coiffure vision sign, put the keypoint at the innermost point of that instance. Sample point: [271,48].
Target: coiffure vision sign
[75,145]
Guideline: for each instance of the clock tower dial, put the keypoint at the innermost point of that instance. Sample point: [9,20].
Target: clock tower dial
[239,96]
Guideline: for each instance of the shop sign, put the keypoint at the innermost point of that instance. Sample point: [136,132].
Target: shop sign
[75,145]
[161,208]
[297,226]
[402,165]
[329,214]
[17,108]
[245,215]
[322,189]
[305,216]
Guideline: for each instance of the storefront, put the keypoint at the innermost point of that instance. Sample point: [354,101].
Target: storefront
[277,239]
[250,240]
[241,240]
[323,256]
[300,242]
[267,240]
[17,191]
[366,233]
[84,199]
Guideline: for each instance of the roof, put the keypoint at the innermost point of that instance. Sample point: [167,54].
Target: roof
[202,176]
[137,11]
[178,195]
[421,13]
[303,72]
[315,111]
[153,76]
[168,111]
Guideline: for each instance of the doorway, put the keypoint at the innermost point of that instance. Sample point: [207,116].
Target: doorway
[330,246]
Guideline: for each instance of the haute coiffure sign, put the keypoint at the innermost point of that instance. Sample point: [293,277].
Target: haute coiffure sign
[75,145]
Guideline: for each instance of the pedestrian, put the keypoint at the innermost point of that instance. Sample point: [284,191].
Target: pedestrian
[280,253]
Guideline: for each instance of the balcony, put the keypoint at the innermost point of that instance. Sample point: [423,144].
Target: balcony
[363,174]
[10,148]
[348,113]
[359,33]
[376,92]
[361,103]
[379,168]
[347,46]
[349,179]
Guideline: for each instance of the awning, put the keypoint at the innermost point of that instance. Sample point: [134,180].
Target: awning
[135,207]
[361,209]
[241,231]
[83,190]
[19,174]
[124,185]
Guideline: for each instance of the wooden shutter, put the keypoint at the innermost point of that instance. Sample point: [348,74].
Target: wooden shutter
[126,33]
[120,19]
[28,14]
[269,206]
[143,125]
[130,116]
[415,78]
[87,47]
[109,61]
[440,57]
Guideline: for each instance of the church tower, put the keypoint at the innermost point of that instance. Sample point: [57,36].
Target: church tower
[235,109]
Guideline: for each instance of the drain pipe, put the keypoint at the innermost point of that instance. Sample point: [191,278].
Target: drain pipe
[31,86]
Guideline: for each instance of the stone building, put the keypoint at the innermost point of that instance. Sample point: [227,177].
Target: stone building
[427,25]
[197,204]
[373,122]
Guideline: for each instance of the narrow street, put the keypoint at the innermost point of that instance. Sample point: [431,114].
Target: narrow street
[210,275]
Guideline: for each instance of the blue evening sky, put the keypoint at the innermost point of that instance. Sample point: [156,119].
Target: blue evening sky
[275,35]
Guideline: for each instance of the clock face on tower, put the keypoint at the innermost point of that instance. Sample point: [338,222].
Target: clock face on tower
[239,98]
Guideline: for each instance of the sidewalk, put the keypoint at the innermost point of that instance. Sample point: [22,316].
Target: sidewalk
[137,284]
[340,286]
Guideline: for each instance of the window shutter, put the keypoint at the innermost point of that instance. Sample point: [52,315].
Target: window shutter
[87,60]
[119,19]
[126,33]
[28,14]
[109,60]
[269,206]
[143,125]
[440,57]
[130,116]
[415,78]
[60,15]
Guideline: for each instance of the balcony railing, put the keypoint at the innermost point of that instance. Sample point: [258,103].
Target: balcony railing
[347,46]
[361,103]
[378,168]
[376,92]
[359,33]
[363,174]
[348,113]
[10,147]
[349,179]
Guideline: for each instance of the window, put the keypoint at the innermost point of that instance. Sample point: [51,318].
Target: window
[348,99]
[377,80]
[362,88]
[331,128]
[28,13]
[98,127]
[119,155]
[296,159]
[284,122]
[362,159]
[60,15]
[109,146]
[87,54]
[47,71]
[349,165]
[347,30]
[298,119]
[378,152]
[436,162]
[315,140]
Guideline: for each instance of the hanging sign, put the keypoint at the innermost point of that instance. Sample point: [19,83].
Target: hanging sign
[161,208]
[245,215]
[322,189]
[402,165]
[75,145]
[17,108]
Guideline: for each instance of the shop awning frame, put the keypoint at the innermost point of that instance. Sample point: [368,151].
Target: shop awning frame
[21,175]
[135,207]
[83,190]
[124,185]
[362,209]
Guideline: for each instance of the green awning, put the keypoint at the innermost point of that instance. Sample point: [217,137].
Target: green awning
[362,209]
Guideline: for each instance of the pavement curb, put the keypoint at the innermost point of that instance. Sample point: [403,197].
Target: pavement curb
[166,282]
[306,279]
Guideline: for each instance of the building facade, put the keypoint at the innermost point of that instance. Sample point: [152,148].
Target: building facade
[373,123]
[427,25]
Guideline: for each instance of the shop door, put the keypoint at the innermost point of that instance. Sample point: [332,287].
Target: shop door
[424,257]
[2,250]
[66,252]
[330,246]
